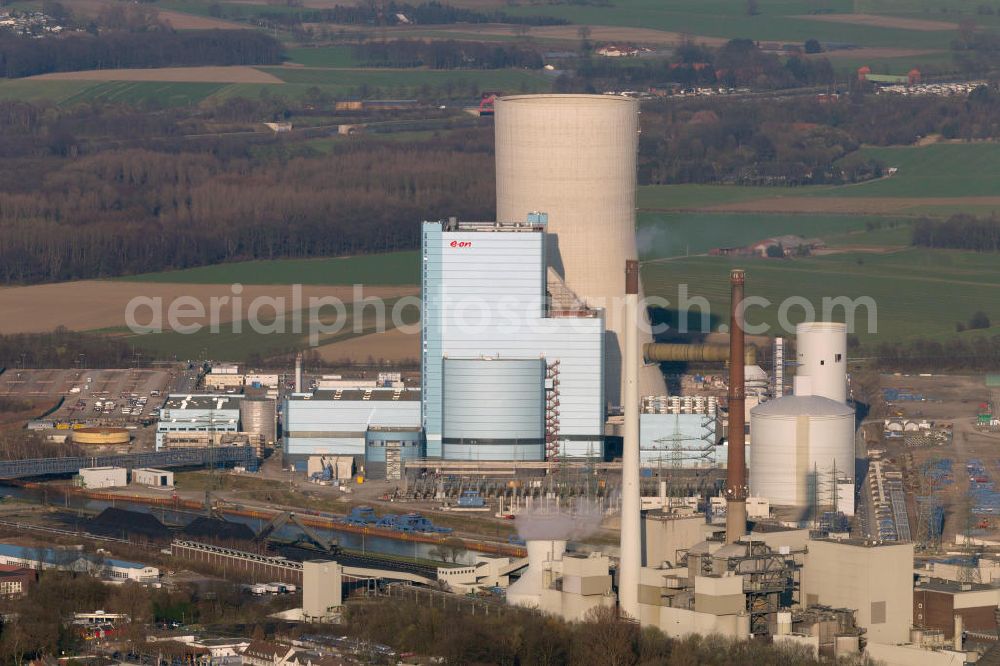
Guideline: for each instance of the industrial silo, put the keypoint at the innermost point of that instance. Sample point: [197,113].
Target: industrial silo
[800,444]
[821,351]
[257,416]
[494,409]
[574,157]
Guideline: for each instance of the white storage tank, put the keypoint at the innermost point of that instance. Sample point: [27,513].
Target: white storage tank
[821,352]
[798,443]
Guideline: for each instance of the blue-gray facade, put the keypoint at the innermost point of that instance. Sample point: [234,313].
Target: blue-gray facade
[484,296]
[494,409]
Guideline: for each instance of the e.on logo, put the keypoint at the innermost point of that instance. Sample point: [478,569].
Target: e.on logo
[461,243]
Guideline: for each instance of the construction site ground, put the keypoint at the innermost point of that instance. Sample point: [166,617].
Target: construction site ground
[953,399]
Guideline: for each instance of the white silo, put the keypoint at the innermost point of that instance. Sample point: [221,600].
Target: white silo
[574,157]
[798,444]
[821,351]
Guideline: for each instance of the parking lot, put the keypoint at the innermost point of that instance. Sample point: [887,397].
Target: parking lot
[96,397]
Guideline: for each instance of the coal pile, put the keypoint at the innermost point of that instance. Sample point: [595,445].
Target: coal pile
[219,531]
[131,525]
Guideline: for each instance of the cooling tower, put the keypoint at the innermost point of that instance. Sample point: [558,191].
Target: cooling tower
[574,157]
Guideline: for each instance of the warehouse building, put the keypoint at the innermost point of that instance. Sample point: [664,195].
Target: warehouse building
[103,477]
[342,421]
[513,362]
[74,560]
[873,577]
[198,413]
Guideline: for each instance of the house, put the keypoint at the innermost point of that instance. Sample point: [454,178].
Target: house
[16,580]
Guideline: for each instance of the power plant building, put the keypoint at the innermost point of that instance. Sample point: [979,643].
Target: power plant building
[512,362]
[337,422]
[574,157]
[207,413]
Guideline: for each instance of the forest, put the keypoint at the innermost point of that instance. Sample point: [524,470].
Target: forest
[528,637]
[959,232]
[100,189]
[28,56]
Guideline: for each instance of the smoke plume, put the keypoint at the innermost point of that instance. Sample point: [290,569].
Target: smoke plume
[575,522]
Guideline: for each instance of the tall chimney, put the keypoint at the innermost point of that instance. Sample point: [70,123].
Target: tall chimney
[298,372]
[736,472]
[631,555]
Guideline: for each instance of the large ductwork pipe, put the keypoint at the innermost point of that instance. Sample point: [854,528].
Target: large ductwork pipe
[631,535]
[660,352]
[736,472]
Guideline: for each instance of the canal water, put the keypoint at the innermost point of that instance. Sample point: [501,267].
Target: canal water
[173,518]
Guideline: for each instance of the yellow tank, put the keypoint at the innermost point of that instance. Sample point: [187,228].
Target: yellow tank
[101,436]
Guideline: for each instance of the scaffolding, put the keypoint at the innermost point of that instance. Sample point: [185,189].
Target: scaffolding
[552,411]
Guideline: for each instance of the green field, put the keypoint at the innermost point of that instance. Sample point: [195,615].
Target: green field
[664,235]
[415,79]
[249,342]
[327,56]
[777,21]
[399,268]
[949,170]
[130,92]
[939,170]
[918,293]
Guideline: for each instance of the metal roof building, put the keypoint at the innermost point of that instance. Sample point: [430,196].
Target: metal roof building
[336,422]
[199,413]
[494,316]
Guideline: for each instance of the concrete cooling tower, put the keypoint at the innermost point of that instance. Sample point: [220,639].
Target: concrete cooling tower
[574,157]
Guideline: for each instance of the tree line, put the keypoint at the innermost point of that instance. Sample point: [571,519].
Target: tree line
[959,232]
[514,636]
[798,141]
[978,353]
[62,348]
[25,56]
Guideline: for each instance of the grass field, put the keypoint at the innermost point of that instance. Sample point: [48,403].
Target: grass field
[663,235]
[269,340]
[399,268]
[778,20]
[132,92]
[414,79]
[925,176]
[327,56]
[938,170]
[918,293]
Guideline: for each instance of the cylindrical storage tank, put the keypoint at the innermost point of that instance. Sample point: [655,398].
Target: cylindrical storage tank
[259,416]
[574,158]
[494,409]
[100,436]
[387,448]
[821,351]
[798,443]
